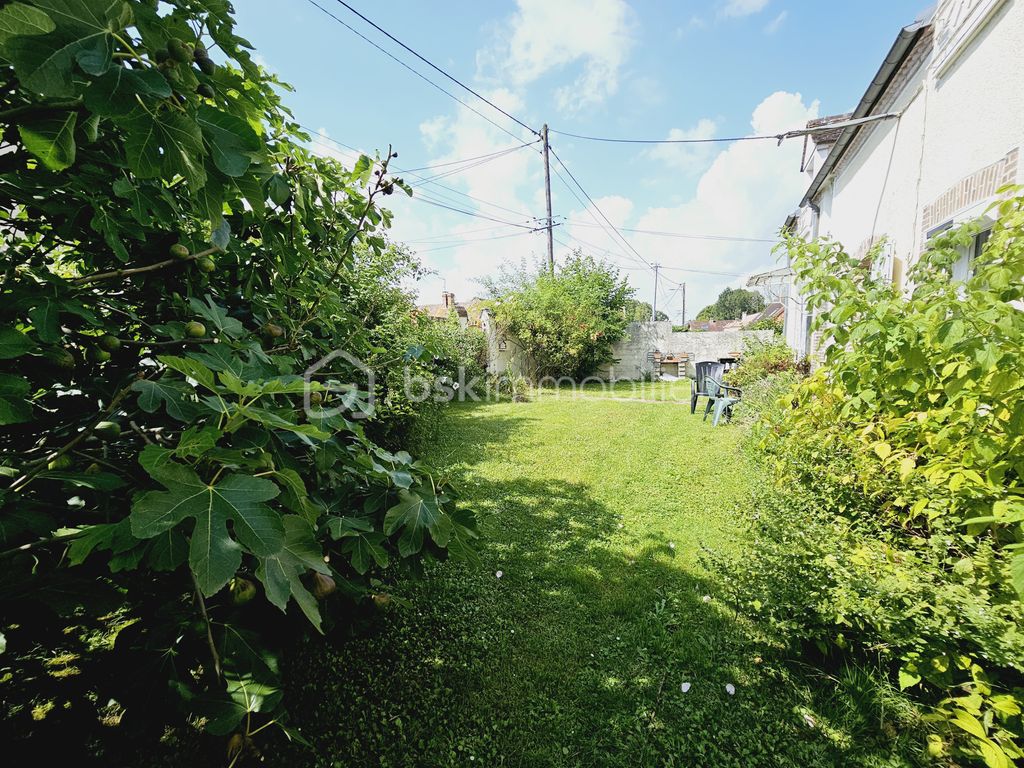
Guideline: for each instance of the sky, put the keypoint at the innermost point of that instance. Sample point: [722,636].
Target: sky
[646,69]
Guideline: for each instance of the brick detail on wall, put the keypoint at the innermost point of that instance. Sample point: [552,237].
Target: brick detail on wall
[972,189]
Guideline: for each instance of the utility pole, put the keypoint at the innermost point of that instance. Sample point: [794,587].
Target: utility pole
[654,306]
[547,197]
[684,306]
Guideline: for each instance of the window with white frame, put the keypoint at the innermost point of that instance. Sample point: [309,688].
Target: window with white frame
[963,268]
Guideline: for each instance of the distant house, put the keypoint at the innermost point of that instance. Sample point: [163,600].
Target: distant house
[951,96]
[468,314]
[774,311]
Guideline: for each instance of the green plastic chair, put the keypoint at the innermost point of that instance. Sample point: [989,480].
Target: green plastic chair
[704,373]
[720,399]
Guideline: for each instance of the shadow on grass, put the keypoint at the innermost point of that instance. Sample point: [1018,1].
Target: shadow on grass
[576,654]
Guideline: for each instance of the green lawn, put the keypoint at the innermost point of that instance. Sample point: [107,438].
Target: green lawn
[594,511]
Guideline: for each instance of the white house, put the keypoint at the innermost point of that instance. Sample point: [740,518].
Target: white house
[949,106]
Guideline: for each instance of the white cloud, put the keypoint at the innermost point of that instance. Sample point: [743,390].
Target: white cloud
[738,8]
[543,36]
[685,157]
[773,26]
[748,189]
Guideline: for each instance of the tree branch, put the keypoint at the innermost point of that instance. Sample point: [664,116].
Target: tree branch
[85,280]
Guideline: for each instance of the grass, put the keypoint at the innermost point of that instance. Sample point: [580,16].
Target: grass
[595,512]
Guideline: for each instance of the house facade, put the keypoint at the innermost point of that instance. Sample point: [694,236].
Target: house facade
[949,106]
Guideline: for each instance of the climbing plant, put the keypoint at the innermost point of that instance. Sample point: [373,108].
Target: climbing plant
[181,389]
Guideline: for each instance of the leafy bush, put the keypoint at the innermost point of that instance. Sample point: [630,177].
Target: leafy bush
[567,322]
[174,261]
[761,359]
[895,526]
[773,324]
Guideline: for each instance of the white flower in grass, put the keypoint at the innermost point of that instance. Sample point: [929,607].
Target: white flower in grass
[671,545]
[730,689]
[684,687]
[706,598]
[499,574]
[809,720]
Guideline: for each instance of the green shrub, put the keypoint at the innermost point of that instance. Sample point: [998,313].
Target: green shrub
[761,359]
[894,527]
[567,322]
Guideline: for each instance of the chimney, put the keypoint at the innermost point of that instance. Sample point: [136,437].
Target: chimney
[448,299]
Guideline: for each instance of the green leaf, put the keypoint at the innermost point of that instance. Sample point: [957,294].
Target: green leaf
[415,514]
[13,411]
[116,92]
[13,343]
[20,19]
[13,386]
[45,317]
[217,316]
[165,146]
[173,394]
[191,368]
[362,548]
[45,64]
[51,139]
[231,139]
[213,555]
[1017,573]
[281,573]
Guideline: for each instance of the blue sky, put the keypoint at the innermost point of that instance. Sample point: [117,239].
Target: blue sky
[654,69]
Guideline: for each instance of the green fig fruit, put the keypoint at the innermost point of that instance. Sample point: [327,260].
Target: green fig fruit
[206,264]
[205,91]
[195,330]
[97,355]
[107,430]
[109,342]
[93,469]
[323,586]
[242,590]
[207,66]
[178,251]
[178,50]
[199,52]
[272,330]
[61,359]
[61,462]
[315,398]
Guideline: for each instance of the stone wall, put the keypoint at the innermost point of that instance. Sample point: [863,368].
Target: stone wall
[643,338]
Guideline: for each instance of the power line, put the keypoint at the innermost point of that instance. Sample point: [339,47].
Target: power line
[477,240]
[439,204]
[420,75]
[779,137]
[598,209]
[468,159]
[431,180]
[434,66]
[684,235]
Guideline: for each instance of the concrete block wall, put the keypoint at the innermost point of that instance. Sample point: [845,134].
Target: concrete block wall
[643,338]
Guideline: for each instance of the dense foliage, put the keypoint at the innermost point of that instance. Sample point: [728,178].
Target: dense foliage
[732,304]
[182,384]
[896,527]
[762,359]
[567,322]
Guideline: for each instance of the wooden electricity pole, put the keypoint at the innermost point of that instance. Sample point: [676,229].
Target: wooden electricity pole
[654,306]
[547,197]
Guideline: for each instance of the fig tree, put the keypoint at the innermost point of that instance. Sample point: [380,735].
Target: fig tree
[109,342]
[272,330]
[206,264]
[195,330]
[178,251]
